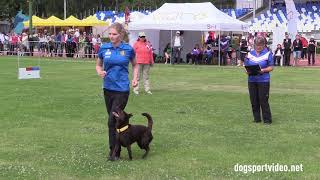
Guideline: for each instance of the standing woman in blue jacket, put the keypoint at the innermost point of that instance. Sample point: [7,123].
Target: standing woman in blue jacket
[113,66]
[259,85]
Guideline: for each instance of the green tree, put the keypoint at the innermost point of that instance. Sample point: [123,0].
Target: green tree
[81,8]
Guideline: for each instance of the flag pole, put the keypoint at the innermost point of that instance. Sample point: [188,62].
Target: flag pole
[30,17]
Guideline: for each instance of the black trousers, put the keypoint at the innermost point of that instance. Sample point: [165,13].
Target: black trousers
[311,54]
[259,97]
[223,57]
[1,47]
[113,100]
[243,56]
[276,60]
[304,53]
[31,50]
[287,54]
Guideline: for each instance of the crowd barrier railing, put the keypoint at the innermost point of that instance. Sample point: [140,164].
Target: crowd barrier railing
[51,49]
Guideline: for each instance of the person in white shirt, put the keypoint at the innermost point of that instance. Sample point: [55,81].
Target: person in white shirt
[94,44]
[43,44]
[77,33]
[24,42]
[177,48]
[278,53]
[1,43]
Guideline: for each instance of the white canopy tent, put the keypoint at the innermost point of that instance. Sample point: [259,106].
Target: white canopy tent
[193,17]
[189,17]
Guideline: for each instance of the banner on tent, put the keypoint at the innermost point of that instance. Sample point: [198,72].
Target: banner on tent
[292,16]
[29,72]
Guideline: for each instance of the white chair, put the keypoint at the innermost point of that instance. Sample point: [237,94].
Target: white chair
[314,8]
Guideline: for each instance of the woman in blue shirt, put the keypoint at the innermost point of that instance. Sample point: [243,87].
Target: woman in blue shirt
[112,65]
[259,85]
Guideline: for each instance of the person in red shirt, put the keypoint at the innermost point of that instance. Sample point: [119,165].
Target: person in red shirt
[144,58]
[14,39]
[304,47]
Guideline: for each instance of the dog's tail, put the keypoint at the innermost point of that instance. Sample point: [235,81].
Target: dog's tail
[150,121]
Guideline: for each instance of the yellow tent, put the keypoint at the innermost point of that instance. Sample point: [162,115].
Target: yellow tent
[93,21]
[53,21]
[36,21]
[72,21]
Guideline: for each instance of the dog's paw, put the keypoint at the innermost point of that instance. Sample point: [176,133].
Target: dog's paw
[113,158]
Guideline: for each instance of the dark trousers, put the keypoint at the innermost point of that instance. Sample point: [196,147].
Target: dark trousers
[276,61]
[114,100]
[243,56]
[259,97]
[207,58]
[1,47]
[31,49]
[309,56]
[196,59]
[13,49]
[223,57]
[304,53]
[176,55]
[287,57]
[88,51]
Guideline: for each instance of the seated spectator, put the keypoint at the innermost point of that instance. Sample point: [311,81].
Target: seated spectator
[195,55]
[167,53]
[278,53]
[207,54]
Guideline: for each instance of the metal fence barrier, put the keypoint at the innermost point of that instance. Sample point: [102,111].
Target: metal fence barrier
[51,49]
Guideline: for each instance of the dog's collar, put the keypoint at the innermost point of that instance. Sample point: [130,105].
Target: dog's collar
[123,129]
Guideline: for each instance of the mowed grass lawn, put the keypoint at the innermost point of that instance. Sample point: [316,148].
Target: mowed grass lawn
[56,127]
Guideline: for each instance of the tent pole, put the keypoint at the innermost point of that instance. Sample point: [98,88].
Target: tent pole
[230,44]
[219,47]
[171,58]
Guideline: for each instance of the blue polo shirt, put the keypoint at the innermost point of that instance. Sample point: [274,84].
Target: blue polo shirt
[116,63]
[264,60]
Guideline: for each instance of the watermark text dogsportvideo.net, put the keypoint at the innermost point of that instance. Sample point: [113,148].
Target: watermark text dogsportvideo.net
[274,167]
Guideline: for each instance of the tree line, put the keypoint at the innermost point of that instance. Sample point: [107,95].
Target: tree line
[83,8]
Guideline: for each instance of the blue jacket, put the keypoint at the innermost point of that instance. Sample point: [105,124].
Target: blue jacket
[115,63]
[265,59]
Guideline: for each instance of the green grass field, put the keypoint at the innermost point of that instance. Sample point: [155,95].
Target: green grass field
[56,127]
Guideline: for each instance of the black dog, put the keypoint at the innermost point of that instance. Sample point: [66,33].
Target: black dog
[127,134]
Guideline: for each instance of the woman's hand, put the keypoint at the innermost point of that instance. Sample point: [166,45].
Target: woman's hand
[134,82]
[99,69]
[102,74]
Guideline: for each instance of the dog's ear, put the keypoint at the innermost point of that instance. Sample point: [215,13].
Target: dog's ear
[130,115]
[115,114]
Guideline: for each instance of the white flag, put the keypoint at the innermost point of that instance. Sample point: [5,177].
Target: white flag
[292,17]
